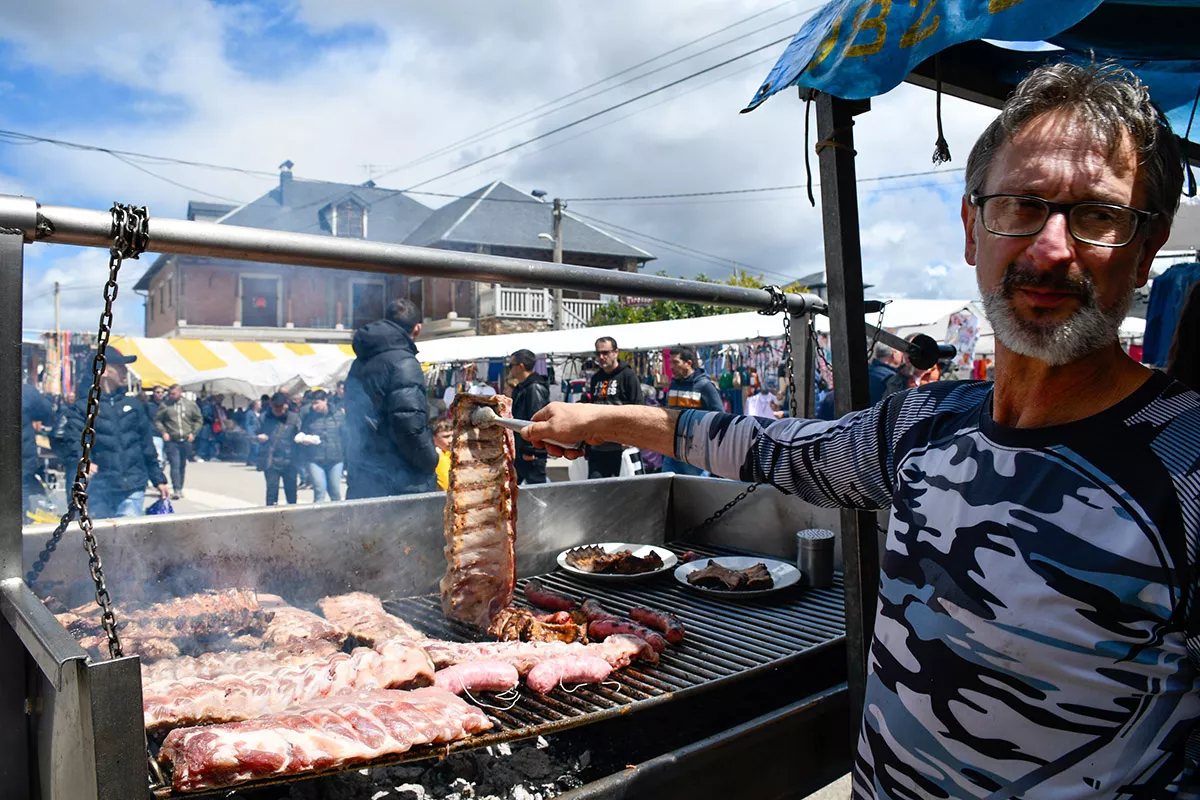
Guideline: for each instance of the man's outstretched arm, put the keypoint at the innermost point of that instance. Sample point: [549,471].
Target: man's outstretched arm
[646,427]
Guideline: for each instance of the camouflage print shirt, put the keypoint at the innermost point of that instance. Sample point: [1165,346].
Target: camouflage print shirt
[1036,633]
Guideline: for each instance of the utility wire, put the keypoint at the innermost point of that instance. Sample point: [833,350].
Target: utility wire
[553,107]
[599,113]
[140,168]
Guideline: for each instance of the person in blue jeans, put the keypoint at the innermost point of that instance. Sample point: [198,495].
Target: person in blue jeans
[321,427]
[123,458]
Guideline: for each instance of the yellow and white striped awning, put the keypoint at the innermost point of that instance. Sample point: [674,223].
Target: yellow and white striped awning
[248,369]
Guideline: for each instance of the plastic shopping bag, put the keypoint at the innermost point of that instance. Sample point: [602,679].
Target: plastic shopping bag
[161,506]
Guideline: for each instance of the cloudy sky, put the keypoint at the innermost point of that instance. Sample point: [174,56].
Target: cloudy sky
[363,88]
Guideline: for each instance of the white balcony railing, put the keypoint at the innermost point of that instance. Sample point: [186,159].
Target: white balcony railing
[514,302]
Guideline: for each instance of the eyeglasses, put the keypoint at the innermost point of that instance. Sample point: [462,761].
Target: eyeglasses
[1100,224]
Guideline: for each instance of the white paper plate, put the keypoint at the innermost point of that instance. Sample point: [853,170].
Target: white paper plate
[669,560]
[784,574]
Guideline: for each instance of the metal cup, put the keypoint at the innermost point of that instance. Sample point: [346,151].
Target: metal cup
[814,557]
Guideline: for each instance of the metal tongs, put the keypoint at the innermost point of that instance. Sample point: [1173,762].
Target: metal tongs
[484,416]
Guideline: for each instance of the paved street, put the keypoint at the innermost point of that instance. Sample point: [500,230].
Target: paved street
[223,486]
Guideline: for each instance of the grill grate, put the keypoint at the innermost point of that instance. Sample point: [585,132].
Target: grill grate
[725,641]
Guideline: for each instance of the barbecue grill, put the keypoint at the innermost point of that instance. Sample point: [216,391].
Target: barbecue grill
[747,673]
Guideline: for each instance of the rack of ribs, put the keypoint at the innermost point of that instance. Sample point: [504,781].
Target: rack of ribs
[230,698]
[362,616]
[327,734]
[481,515]
[226,662]
[290,625]
[224,612]
[619,651]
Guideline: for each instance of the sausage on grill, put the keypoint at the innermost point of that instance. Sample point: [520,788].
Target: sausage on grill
[542,597]
[567,669]
[669,624]
[601,629]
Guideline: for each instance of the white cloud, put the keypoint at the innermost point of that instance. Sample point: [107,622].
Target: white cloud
[447,70]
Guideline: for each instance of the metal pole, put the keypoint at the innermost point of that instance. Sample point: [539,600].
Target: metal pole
[65,225]
[843,267]
[803,368]
[14,724]
[558,259]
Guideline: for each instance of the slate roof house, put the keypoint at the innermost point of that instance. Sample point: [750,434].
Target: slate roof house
[205,298]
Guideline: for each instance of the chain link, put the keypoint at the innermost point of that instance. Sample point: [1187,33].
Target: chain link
[130,232]
[749,490]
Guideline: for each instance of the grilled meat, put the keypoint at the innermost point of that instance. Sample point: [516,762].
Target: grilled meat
[225,662]
[150,648]
[601,629]
[362,616]
[623,562]
[224,612]
[594,611]
[478,676]
[330,733]
[619,651]
[229,698]
[542,597]
[521,625]
[669,624]
[715,576]
[567,669]
[480,516]
[291,625]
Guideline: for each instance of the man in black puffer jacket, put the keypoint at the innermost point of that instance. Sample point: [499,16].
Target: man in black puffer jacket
[123,456]
[388,442]
[530,395]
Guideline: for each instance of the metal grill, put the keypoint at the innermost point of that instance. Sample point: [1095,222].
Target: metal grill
[725,641]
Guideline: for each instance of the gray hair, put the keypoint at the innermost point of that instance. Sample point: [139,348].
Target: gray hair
[1110,101]
[882,351]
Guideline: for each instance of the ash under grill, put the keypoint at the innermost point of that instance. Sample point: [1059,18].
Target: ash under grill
[726,642]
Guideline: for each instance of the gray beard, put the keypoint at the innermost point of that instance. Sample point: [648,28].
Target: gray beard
[1091,328]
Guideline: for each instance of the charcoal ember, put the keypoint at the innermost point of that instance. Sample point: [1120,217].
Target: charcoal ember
[717,576]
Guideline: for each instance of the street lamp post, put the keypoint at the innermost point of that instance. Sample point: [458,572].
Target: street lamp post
[558,257]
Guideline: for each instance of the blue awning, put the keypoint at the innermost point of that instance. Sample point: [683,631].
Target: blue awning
[862,48]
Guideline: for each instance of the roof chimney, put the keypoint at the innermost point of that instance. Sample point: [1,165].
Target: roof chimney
[285,180]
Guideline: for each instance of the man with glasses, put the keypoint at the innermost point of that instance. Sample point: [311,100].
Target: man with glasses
[613,384]
[1038,626]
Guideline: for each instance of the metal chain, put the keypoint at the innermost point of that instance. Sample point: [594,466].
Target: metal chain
[130,232]
[749,490]
[779,306]
[878,328]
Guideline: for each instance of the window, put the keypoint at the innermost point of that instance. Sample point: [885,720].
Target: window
[366,301]
[349,220]
[161,290]
[170,292]
[260,306]
[416,294]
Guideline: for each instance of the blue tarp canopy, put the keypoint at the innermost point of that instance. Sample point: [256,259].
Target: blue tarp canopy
[857,49]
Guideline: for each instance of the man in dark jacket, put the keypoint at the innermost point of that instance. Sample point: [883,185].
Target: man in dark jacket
[178,421]
[36,413]
[157,395]
[276,459]
[388,441]
[531,393]
[614,384]
[884,372]
[123,457]
[690,388]
[322,446]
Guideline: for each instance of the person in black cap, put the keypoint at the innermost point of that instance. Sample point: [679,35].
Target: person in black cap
[123,458]
[389,446]
[276,457]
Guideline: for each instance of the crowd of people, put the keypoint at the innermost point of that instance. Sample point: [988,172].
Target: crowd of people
[379,431]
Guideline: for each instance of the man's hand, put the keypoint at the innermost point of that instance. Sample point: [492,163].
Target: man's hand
[566,422]
[166,437]
[163,491]
[528,457]
[92,468]
[262,437]
[191,437]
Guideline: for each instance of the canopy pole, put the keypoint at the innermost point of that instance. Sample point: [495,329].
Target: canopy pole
[847,332]
[14,724]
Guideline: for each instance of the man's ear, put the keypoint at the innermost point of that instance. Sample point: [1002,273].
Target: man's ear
[1150,247]
[968,219]
[416,331]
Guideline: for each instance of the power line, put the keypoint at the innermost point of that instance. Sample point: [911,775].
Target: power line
[16,137]
[791,187]
[532,115]
[599,113]
[140,168]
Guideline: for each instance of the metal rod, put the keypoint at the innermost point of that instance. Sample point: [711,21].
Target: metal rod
[803,368]
[66,225]
[843,266]
[11,505]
